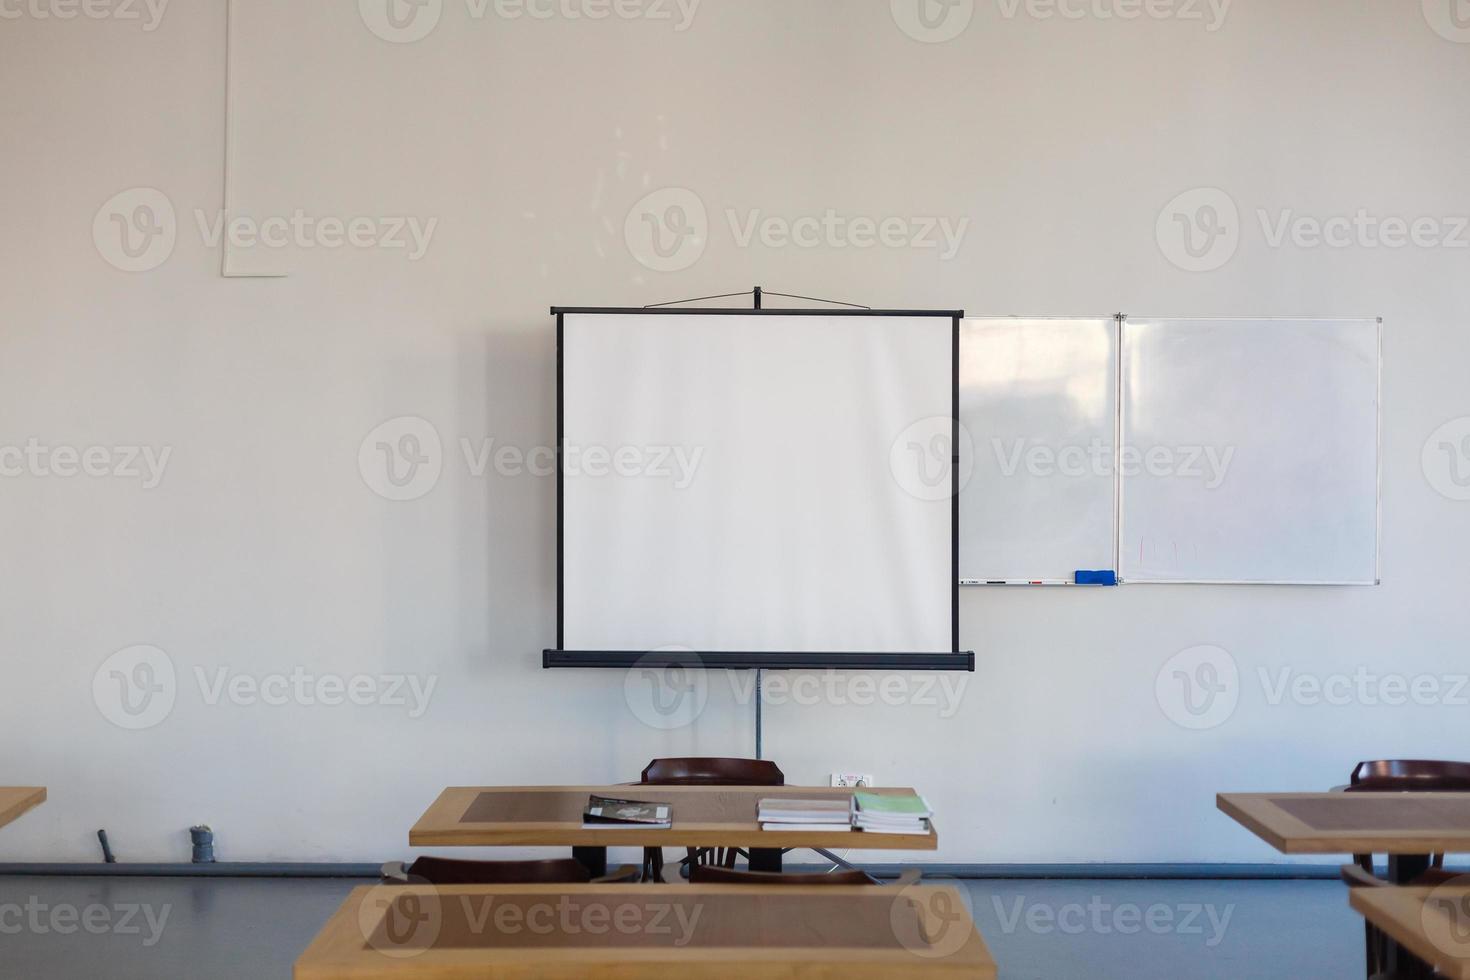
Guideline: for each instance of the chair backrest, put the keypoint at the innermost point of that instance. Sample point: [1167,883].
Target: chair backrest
[1410,775]
[703,874]
[447,871]
[712,772]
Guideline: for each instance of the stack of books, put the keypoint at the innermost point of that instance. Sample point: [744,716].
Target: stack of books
[606,813]
[808,815]
[906,813]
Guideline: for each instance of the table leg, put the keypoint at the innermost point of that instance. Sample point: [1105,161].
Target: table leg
[653,865]
[765,859]
[594,859]
[1402,869]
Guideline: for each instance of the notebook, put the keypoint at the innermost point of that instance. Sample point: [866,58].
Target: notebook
[825,828]
[825,812]
[907,813]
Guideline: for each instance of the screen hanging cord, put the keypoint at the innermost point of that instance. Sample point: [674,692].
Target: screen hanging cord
[757,292]
[813,299]
[697,299]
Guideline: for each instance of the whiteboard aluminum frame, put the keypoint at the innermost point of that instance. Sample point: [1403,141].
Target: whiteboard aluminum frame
[1378,455]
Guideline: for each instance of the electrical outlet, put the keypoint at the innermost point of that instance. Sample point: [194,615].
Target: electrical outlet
[852,780]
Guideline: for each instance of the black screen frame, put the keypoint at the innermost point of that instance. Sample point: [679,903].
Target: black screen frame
[953,660]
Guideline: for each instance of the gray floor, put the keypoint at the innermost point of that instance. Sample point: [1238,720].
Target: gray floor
[151,928]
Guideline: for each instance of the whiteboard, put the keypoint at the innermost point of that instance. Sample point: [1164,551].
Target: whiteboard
[1038,401]
[745,495]
[1250,451]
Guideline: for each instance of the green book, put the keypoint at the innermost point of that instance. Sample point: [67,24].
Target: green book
[909,805]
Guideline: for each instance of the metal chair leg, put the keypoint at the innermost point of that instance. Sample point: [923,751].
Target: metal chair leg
[842,863]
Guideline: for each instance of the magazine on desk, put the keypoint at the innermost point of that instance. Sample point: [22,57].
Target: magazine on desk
[608,813]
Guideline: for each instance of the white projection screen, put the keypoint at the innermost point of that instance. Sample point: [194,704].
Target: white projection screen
[757,489]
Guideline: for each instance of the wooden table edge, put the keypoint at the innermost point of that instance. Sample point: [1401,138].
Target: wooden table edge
[1232,809]
[432,829]
[325,947]
[1361,901]
[565,836]
[1238,806]
[35,796]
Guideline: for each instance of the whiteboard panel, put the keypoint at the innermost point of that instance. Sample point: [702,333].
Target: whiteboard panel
[1038,399]
[791,531]
[1250,451]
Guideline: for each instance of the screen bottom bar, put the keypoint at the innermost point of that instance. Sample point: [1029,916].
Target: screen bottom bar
[758,661]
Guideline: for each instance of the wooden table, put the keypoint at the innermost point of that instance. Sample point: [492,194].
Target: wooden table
[15,801]
[704,816]
[1408,827]
[1431,923]
[487,932]
[1397,824]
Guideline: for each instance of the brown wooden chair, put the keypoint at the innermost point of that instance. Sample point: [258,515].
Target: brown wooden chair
[712,772]
[704,772]
[1408,776]
[1399,776]
[449,871]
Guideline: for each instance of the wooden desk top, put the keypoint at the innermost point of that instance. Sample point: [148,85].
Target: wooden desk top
[488,932]
[1354,823]
[1432,923]
[15,801]
[704,816]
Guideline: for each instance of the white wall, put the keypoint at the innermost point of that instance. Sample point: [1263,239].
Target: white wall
[263,549]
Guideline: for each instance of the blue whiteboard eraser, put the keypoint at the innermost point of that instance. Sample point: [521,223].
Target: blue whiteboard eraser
[1097,578]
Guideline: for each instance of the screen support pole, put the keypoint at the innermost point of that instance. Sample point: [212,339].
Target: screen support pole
[759,677]
[756,298]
